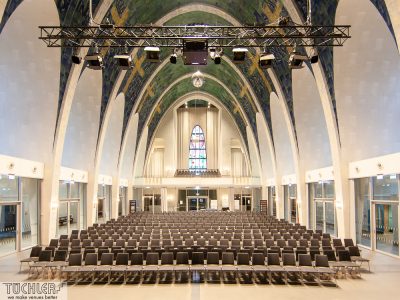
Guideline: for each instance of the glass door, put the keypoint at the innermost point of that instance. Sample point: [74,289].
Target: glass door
[386,227]
[319,215]
[68,216]
[293,210]
[202,203]
[8,228]
[148,203]
[246,203]
[192,204]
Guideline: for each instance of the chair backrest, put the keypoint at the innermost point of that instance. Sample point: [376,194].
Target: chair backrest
[107,259]
[228,258]
[321,261]
[155,243]
[330,254]
[305,260]
[75,259]
[273,259]
[258,259]
[243,258]
[201,241]
[247,243]
[53,243]
[45,255]
[152,258]
[314,242]
[182,258]
[337,242]
[122,259]
[344,255]
[354,251]
[213,258]
[288,259]
[326,242]
[60,255]
[224,242]
[167,258]
[35,251]
[269,243]
[235,243]
[120,243]
[348,243]
[137,259]
[189,242]
[197,258]
[91,259]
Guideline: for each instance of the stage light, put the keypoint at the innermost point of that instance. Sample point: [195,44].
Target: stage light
[173,58]
[314,57]
[266,60]
[239,55]
[152,54]
[124,61]
[296,60]
[94,61]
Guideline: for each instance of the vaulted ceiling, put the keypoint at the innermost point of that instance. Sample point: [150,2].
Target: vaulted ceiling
[151,88]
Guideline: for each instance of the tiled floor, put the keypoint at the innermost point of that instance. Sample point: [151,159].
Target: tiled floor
[382,283]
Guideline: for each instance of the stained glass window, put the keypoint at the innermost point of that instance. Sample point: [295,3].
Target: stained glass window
[197,150]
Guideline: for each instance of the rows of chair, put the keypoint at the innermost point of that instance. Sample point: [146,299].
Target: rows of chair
[205,232]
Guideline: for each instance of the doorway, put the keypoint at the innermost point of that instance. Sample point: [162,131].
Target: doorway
[385,227]
[324,212]
[197,203]
[69,216]
[9,228]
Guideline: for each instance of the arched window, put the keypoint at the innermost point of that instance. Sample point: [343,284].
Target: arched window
[197,150]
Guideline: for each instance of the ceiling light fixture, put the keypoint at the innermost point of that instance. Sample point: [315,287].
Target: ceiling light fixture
[94,61]
[239,55]
[124,60]
[152,54]
[296,60]
[265,60]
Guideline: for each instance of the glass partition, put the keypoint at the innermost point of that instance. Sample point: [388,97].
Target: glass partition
[72,207]
[385,187]
[104,203]
[30,212]
[19,213]
[322,206]
[363,211]
[290,202]
[123,195]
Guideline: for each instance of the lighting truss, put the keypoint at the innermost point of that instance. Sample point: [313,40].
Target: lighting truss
[173,36]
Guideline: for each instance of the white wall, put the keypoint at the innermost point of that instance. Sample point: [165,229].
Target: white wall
[166,132]
[367,76]
[311,128]
[280,132]
[265,153]
[112,140]
[127,164]
[83,124]
[29,83]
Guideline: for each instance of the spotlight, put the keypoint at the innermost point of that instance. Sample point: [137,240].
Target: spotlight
[283,21]
[152,54]
[296,60]
[266,60]
[239,55]
[314,57]
[94,61]
[76,59]
[173,58]
[124,61]
[215,55]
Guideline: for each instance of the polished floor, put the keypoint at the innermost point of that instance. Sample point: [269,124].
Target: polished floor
[382,282]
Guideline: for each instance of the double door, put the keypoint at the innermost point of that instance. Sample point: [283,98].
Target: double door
[10,228]
[197,203]
[385,226]
[68,216]
[325,216]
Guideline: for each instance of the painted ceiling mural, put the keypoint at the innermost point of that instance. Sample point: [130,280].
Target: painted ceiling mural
[122,12]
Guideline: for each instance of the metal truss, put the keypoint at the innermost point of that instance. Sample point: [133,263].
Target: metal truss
[216,36]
